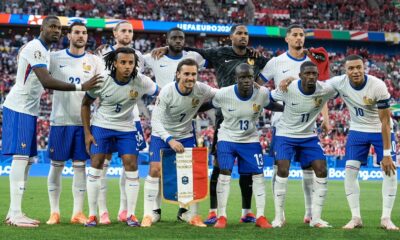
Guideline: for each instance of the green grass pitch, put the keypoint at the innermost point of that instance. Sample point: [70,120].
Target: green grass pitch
[336,212]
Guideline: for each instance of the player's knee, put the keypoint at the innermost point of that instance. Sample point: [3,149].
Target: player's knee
[130,165]
[283,172]
[321,172]
[154,171]
[97,163]
[225,172]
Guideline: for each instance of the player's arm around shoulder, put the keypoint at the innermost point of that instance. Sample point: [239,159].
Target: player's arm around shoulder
[269,103]
[87,101]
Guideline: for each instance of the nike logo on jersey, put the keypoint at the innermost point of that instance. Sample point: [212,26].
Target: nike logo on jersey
[284,71]
[163,65]
[231,110]
[172,107]
[344,95]
[61,66]
[227,61]
[107,95]
[294,104]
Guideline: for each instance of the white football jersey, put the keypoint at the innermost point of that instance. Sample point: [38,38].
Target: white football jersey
[362,102]
[301,110]
[24,96]
[240,115]
[117,100]
[280,68]
[173,112]
[75,69]
[164,68]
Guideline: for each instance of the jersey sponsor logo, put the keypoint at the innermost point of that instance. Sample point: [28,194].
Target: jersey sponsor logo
[284,71]
[133,94]
[368,101]
[318,101]
[256,108]
[195,102]
[250,61]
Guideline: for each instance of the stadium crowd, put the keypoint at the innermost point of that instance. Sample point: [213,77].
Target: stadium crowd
[383,66]
[376,15]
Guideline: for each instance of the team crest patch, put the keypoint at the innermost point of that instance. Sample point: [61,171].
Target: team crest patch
[23,145]
[51,150]
[318,101]
[133,94]
[86,68]
[195,102]
[256,108]
[250,61]
[37,55]
[368,101]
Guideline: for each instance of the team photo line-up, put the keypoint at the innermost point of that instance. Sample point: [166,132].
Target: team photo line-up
[95,113]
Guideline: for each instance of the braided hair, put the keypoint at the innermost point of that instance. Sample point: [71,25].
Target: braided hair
[112,56]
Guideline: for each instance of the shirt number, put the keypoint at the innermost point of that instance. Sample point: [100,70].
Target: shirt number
[244,124]
[74,80]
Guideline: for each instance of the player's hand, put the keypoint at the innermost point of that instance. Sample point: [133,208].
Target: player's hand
[284,85]
[176,146]
[254,52]
[100,49]
[388,166]
[326,127]
[89,140]
[256,85]
[94,82]
[157,53]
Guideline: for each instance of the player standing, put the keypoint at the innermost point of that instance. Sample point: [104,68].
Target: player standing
[123,35]
[241,105]
[21,108]
[67,140]
[295,136]
[176,106]
[112,121]
[367,99]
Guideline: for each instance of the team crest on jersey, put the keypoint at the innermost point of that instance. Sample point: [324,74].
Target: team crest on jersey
[368,101]
[250,61]
[37,55]
[195,102]
[23,145]
[133,94]
[86,68]
[256,108]
[51,150]
[318,101]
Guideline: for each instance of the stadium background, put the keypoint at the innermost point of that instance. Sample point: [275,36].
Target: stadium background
[366,27]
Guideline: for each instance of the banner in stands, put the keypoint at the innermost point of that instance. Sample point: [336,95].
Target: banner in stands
[143,25]
[334,173]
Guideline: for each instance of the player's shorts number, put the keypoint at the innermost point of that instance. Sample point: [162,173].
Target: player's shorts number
[259,159]
[359,111]
[244,124]
[74,80]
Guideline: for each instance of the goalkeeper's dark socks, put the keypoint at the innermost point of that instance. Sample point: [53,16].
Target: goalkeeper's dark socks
[213,187]
[246,182]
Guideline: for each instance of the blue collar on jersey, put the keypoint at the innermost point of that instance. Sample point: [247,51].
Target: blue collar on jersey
[296,59]
[73,55]
[181,93]
[238,95]
[118,82]
[362,85]
[174,57]
[302,91]
[112,48]
[43,43]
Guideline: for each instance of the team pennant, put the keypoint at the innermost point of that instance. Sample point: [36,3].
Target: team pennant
[184,176]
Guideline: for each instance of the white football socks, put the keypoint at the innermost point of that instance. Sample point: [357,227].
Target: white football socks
[259,193]
[319,196]
[223,187]
[389,190]
[280,196]
[17,183]
[122,192]
[307,183]
[78,186]
[352,187]
[102,201]
[54,185]
[151,191]
[132,191]
[93,188]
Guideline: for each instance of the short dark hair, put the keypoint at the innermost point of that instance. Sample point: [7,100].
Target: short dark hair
[353,57]
[187,61]
[112,56]
[174,29]
[75,23]
[233,28]
[119,23]
[243,66]
[48,18]
[306,64]
[292,26]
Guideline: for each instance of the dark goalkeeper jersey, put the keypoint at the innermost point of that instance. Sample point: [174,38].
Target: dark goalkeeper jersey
[224,60]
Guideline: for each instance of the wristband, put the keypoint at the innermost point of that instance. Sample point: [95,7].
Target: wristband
[387,152]
[78,87]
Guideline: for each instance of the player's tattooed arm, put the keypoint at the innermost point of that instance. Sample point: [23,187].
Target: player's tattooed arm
[51,83]
[85,115]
